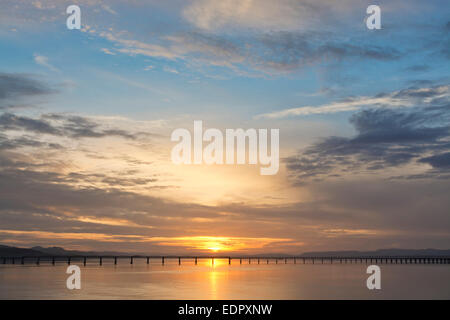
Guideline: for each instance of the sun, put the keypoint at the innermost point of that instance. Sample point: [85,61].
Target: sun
[214,249]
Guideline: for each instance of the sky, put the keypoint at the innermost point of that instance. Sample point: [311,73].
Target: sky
[86,118]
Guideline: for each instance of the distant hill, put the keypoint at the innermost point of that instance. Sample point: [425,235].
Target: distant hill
[18,252]
[8,251]
[58,251]
[381,252]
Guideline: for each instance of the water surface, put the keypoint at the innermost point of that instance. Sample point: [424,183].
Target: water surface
[222,281]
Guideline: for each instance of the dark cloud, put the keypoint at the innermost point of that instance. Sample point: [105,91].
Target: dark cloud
[287,50]
[65,125]
[9,121]
[418,68]
[439,161]
[113,181]
[385,138]
[15,86]
[445,44]
[80,127]
[25,141]
[280,51]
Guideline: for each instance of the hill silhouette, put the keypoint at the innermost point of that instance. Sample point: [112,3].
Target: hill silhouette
[8,251]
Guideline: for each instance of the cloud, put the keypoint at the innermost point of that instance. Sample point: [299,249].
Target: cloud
[248,37]
[385,138]
[14,86]
[171,70]
[402,98]
[275,52]
[64,125]
[25,141]
[43,61]
[439,161]
[111,181]
[40,207]
[91,209]
[418,68]
[135,47]
[9,121]
[266,15]
[108,9]
[107,51]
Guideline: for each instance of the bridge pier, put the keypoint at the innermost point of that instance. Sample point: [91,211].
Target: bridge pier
[259,259]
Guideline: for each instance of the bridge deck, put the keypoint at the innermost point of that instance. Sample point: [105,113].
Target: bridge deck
[239,259]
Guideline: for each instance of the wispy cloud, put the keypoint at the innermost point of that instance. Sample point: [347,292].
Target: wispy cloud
[108,9]
[171,70]
[107,51]
[43,61]
[404,98]
[264,15]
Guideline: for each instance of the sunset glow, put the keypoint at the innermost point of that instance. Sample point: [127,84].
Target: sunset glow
[361,117]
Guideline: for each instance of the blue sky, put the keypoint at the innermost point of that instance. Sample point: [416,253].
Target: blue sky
[355,107]
[266,77]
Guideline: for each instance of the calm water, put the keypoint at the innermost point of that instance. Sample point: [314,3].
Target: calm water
[221,281]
